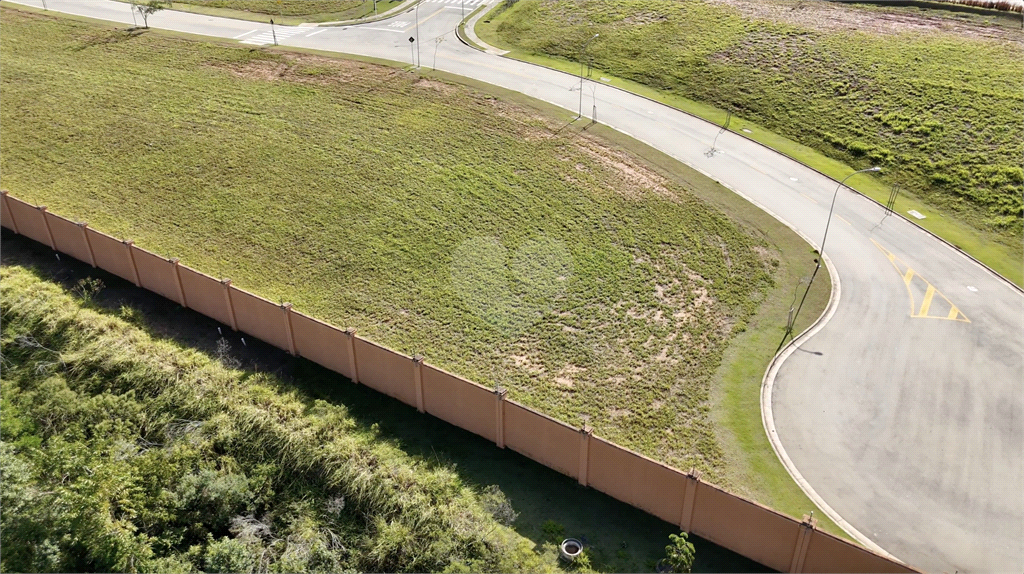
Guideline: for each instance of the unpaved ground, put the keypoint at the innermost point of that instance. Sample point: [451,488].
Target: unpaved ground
[833,16]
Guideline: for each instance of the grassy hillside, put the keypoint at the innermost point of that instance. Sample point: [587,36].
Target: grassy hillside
[122,453]
[935,100]
[433,218]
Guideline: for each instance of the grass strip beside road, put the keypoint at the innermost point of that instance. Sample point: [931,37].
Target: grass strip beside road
[285,12]
[956,218]
[290,175]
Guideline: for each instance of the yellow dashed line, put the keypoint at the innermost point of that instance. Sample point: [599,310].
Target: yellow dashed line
[808,197]
[844,221]
[908,275]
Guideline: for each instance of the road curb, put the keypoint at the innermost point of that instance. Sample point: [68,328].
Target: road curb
[382,16]
[768,419]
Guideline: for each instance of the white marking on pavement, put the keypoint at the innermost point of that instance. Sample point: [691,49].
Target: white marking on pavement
[279,32]
[317,32]
[380,29]
[245,34]
[972,288]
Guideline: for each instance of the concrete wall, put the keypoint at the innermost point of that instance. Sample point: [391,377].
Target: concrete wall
[460,402]
[548,441]
[29,220]
[757,532]
[748,528]
[323,344]
[69,237]
[636,480]
[259,318]
[386,371]
[205,294]
[826,553]
[5,215]
[156,274]
[111,254]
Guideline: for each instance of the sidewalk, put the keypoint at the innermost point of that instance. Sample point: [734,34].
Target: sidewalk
[471,33]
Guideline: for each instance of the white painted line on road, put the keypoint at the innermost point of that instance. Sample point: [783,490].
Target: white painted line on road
[380,29]
[972,288]
[315,33]
[246,34]
[794,179]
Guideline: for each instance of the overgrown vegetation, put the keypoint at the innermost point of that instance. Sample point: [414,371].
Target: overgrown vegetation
[936,100]
[375,199]
[127,454]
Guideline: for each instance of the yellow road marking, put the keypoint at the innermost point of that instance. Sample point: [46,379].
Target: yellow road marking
[908,274]
[844,221]
[808,197]
[927,303]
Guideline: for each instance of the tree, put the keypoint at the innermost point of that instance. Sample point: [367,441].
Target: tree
[679,554]
[148,8]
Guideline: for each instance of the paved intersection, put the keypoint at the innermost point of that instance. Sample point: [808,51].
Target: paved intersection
[904,418]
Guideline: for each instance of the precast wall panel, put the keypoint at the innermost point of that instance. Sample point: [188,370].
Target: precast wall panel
[156,273]
[636,480]
[321,343]
[385,370]
[111,255]
[68,237]
[259,318]
[826,553]
[744,527]
[460,402]
[5,215]
[29,219]
[545,440]
[204,294]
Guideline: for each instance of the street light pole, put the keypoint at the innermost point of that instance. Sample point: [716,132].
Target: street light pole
[583,54]
[821,254]
[821,250]
[417,35]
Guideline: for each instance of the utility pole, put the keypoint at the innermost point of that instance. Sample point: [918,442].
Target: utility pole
[274,33]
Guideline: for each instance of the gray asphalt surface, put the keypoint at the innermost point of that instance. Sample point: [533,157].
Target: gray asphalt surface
[903,414]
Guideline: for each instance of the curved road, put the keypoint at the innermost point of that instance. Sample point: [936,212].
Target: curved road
[905,412]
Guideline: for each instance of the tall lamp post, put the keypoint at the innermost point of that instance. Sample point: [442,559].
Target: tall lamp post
[821,250]
[583,54]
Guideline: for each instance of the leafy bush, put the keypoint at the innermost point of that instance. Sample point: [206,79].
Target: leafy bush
[123,453]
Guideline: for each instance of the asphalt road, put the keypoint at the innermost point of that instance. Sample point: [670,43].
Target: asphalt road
[904,414]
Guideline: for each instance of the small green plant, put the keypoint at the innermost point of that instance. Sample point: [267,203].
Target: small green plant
[87,289]
[553,531]
[679,554]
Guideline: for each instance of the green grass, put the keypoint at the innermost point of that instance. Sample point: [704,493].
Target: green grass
[286,12]
[126,453]
[346,188]
[620,538]
[940,111]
